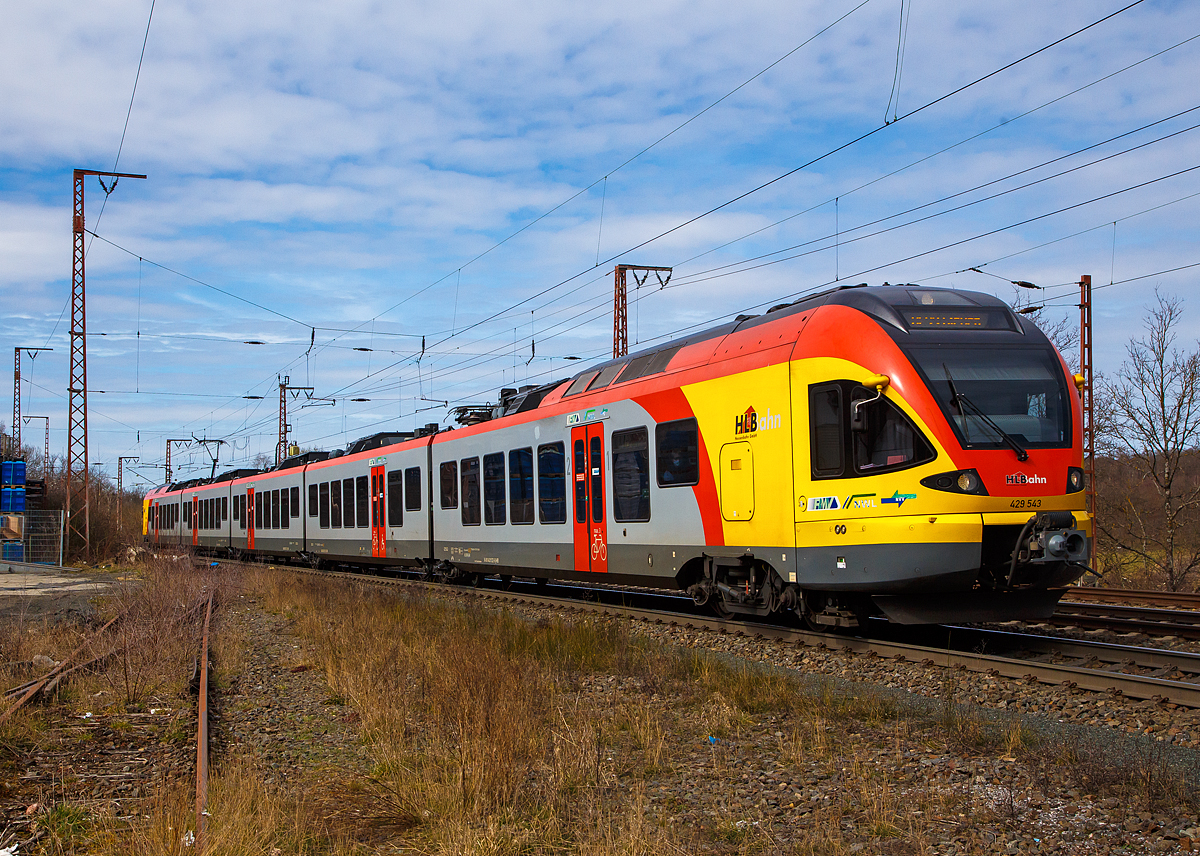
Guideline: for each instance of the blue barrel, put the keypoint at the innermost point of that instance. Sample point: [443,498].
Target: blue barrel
[6,472]
[18,499]
[6,499]
[18,476]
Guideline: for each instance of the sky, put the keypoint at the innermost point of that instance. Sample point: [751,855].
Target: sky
[412,204]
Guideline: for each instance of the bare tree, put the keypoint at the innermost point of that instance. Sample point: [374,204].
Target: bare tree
[1151,426]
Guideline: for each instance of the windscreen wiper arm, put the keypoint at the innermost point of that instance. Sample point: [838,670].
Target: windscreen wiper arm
[961,399]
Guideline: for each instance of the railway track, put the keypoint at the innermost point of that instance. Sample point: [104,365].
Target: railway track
[1130,671]
[1133,597]
[1152,621]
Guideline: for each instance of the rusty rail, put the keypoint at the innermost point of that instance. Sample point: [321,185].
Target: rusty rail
[202,737]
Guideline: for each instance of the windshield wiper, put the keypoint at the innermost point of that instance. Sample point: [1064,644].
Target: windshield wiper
[961,399]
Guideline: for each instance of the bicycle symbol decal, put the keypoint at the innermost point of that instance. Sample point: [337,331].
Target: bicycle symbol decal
[599,548]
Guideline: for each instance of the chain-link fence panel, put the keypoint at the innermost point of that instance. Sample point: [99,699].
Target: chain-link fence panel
[43,537]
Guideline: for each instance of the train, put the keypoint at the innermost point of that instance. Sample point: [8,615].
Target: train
[895,451]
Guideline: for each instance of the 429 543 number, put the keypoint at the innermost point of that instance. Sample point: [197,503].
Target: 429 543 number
[1025,503]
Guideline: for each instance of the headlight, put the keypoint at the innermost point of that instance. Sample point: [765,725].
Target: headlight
[957,481]
[1074,479]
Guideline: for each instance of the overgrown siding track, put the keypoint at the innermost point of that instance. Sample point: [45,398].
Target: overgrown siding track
[1097,676]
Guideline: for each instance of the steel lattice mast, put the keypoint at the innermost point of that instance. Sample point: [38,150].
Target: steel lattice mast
[78,486]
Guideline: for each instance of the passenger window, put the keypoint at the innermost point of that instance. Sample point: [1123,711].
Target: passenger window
[631,475]
[520,484]
[677,448]
[827,431]
[362,501]
[889,440]
[412,489]
[605,377]
[285,512]
[449,479]
[335,504]
[552,483]
[296,501]
[493,489]
[348,503]
[312,500]
[224,508]
[274,509]
[470,491]
[324,505]
[395,498]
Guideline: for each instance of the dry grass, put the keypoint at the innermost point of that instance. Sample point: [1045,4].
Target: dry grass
[493,735]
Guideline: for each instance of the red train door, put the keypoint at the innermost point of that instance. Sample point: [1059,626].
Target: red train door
[378,514]
[248,518]
[195,521]
[591,528]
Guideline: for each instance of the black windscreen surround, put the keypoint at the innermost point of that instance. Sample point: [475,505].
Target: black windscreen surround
[1020,390]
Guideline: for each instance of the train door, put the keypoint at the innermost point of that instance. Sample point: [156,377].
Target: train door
[248,518]
[590,526]
[378,514]
[195,521]
[153,522]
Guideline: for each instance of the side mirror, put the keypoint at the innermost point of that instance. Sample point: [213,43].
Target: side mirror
[858,416]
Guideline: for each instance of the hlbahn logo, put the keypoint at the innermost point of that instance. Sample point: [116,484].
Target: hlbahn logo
[750,422]
[1021,478]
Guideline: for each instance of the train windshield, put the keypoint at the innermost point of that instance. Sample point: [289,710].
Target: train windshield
[996,397]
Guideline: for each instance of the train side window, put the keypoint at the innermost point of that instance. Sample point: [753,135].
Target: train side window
[335,503]
[224,508]
[580,456]
[296,501]
[828,431]
[256,513]
[631,475]
[470,491]
[323,504]
[395,498]
[552,483]
[236,513]
[493,489]
[362,501]
[285,511]
[312,500]
[274,509]
[520,484]
[448,471]
[412,489]
[889,440]
[348,503]
[677,447]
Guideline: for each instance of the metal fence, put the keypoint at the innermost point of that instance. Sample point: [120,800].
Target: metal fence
[43,537]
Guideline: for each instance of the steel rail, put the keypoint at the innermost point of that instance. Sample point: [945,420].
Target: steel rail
[1088,594]
[202,737]
[1129,619]
[1074,677]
